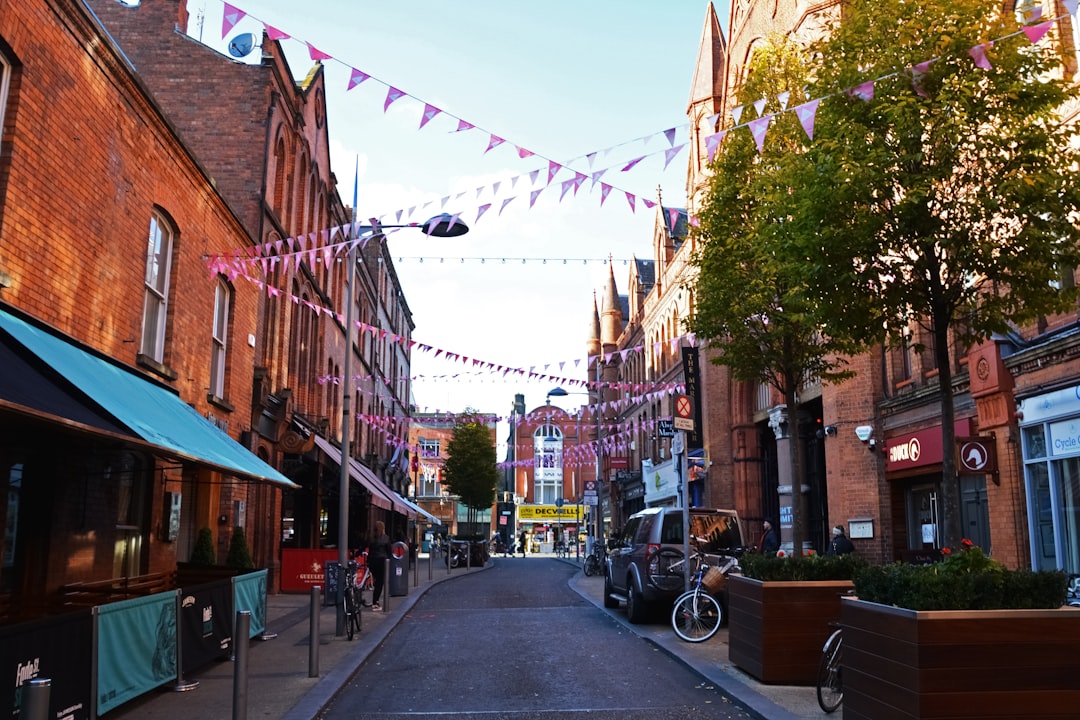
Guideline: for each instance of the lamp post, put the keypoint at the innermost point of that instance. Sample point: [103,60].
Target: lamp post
[598,521]
[442,225]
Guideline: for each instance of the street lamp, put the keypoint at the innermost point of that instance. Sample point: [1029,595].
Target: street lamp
[598,521]
[442,225]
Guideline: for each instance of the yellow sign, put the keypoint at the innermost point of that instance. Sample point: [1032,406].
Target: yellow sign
[549,513]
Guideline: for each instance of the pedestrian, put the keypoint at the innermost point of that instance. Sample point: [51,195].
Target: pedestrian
[378,554]
[840,544]
[522,541]
[769,542]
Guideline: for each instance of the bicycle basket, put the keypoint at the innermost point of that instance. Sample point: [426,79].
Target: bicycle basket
[713,580]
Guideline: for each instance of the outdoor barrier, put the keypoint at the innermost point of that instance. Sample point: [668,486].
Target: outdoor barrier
[249,594]
[136,647]
[206,618]
[58,648]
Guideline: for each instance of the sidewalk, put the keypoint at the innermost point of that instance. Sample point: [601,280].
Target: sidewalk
[278,685]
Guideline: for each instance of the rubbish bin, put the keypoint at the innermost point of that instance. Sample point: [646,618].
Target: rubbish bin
[399,569]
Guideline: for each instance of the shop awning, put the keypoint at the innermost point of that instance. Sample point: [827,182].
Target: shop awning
[422,512]
[152,412]
[359,473]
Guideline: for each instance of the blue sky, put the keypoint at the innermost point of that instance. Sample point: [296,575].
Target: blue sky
[562,78]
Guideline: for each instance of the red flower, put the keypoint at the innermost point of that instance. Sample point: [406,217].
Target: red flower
[967,543]
[946,551]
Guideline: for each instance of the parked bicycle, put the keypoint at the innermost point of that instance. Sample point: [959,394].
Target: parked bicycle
[697,614]
[830,689]
[594,561]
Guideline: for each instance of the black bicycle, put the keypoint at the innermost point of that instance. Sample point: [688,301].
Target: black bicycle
[594,561]
[830,688]
[358,579]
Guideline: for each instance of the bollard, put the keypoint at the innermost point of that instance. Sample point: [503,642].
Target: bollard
[430,565]
[241,630]
[313,634]
[386,586]
[181,685]
[35,699]
[468,556]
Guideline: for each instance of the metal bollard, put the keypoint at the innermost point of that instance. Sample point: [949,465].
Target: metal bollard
[35,699]
[430,564]
[313,633]
[386,586]
[241,630]
[468,556]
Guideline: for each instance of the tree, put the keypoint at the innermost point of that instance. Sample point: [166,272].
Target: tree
[948,199]
[752,302]
[239,556]
[470,469]
[203,553]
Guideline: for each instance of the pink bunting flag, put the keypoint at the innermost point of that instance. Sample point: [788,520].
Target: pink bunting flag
[523,153]
[430,111]
[694,221]
[533,175]
[230,18]
[274,34]
[736,114]
[758,128]
[481,210]
[807,113]
[533,195]
[392,95]
[597,175]
[670,135]
[591,158]
[316,54]
[712,142]
[917,73]
[356,78]
[648,203]
[579,178]
[566,185]
[506,202]
[630,165]
[670,154]
[553,169]
[605,190]
[462,125]
[711,120]
[864,91]
[673,218]
[978,54]
[1035,33]
[630,198]
[494,141]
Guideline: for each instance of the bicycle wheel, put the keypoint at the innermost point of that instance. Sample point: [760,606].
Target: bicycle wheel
[591,566]
[696,616]
[830,690]
[351,612]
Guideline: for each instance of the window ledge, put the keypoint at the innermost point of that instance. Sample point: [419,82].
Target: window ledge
[155,367]
[905,383]
[220,403]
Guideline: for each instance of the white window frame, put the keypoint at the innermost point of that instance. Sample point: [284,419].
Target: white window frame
[5,87]
[220,333]
[156,288]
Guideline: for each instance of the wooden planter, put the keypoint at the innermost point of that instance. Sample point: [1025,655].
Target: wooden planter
[776,629]
[901,663]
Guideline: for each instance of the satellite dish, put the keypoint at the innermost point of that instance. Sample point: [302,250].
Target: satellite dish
[242,45]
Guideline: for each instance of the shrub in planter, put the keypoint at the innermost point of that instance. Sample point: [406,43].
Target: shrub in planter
[805,567]
[239,555]
[203,553]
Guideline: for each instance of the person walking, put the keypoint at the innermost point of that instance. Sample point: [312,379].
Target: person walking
[522,541]
[378,554]
[770,541]
[840,544]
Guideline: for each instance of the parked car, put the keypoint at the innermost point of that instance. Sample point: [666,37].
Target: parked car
[638,569]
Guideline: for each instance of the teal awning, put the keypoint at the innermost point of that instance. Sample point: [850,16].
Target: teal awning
[152,412]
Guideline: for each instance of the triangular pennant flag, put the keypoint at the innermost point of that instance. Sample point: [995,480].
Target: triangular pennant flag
[591,158]
[605,190]
[481,210]
[356,78]
[317,54]
[597,175]
[712,142]
[670,135]
[495,187]
[736,114]
[494,141]
[648,203]
[630,198]
[864,91]
[758,128]
[978,54]
[392,95]
[759,105]
[462,125]
[430,111]
[711,120]
[670,154]
[579,178]
[566,185]
[1035,33]
[807,113]
[673,218]
[917,73]
[230,18]
[1070,6]
[533,195]
[783,98]
[274,34]
[505,203]
[533,175]
[630,165]
[553,169]
[694,221]
[523,153]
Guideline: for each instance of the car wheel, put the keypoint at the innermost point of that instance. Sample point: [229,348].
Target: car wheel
[636,610]
[609,602]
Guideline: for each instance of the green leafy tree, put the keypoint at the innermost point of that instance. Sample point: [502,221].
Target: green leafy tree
[470,469]
[753,303]
[949,199]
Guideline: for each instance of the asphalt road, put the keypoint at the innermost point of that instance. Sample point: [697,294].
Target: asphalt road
[516,642]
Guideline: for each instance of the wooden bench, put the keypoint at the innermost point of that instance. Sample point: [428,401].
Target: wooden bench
[99,592]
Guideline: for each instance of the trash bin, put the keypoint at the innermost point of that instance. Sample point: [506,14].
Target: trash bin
[399,569]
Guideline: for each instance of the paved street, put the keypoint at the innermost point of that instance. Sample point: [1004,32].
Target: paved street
[517,642]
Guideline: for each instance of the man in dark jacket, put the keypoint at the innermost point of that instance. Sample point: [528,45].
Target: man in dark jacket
[840,544]
[770,541]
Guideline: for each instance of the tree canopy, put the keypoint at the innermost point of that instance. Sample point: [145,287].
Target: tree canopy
[470,470]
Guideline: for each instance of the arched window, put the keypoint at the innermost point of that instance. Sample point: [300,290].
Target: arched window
[548,464]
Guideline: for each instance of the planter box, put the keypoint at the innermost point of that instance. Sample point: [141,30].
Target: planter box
[776,629]
[959,663]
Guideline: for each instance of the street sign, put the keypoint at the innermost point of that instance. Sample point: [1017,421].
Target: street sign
[684,413]
[684,424]
[665,428]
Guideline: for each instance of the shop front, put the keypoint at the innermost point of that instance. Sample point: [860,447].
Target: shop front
[545,525]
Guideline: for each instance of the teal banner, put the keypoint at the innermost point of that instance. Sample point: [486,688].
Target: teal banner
[136,647]
[249,593]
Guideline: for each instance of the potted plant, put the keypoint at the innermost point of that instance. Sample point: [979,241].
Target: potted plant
[780,610]
[961,638]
